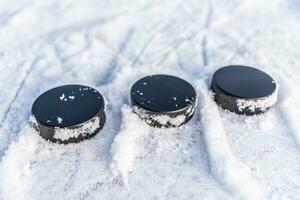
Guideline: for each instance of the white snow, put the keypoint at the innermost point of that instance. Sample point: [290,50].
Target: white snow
[109,45]
[162,118]
[261,104]
[224,166]
[125,146]
[84,129]
[289,108]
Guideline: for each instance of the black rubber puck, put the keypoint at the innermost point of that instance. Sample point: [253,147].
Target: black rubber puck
[69,114]
[163,100]
[244,90]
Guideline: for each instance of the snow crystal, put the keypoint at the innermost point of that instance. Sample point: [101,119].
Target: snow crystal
[59,120]
[62,97]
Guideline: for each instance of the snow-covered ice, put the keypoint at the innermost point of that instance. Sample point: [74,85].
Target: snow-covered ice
[224,166]
[109,45]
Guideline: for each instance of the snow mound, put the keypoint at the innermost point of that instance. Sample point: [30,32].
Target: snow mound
[289,107]
[124,148]
[225,168]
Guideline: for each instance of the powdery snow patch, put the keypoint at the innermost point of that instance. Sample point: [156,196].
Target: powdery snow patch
[169,166]
[3,139]
[163,119]
[87,128]
[261,104]
[37,169]
[125,148]
[13,175]
[225,168]
[290,109]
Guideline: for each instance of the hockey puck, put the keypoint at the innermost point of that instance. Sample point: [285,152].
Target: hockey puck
[163,100]
[69,114]
[244,90]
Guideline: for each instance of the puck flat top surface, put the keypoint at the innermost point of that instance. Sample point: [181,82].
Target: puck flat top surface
[67,105]
[163,93]
[244,82]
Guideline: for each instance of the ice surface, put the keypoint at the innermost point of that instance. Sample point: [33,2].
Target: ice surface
[111,44]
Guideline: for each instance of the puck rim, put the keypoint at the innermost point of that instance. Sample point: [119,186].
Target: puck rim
[239,105]
[242,67]
[136,103]
[102,108]
[48,131]
[187,111]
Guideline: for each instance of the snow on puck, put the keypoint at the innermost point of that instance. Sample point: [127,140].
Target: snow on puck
[244,90]
[163,100]
[69,114]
